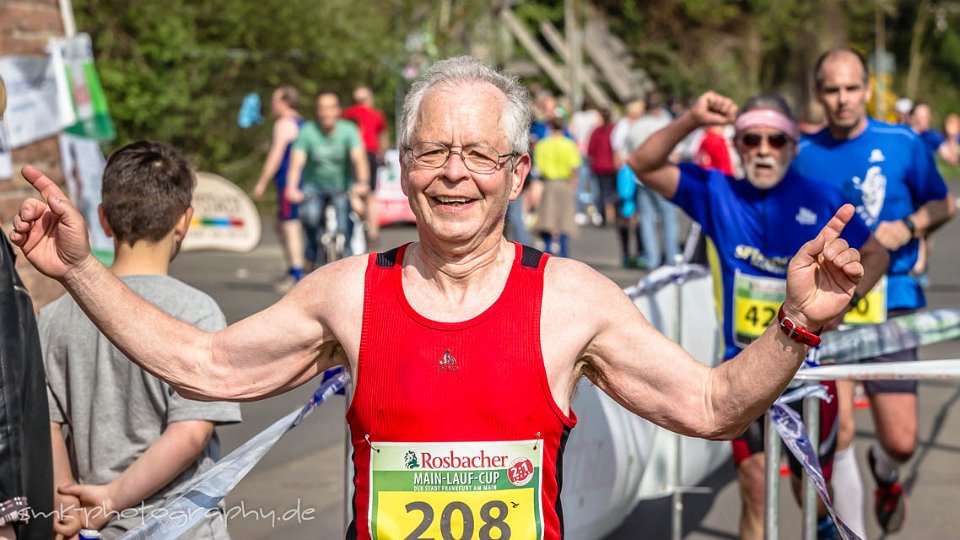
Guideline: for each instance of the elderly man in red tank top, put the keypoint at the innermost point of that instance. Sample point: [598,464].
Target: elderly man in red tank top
[465,348]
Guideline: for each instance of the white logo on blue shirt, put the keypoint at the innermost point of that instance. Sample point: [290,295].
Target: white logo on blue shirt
[876,156]
[805,216]
[873,190]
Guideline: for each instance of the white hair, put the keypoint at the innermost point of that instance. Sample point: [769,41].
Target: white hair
[464,70]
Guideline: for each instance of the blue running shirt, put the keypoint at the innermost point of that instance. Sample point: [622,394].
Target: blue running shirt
[887,172]
[756,232]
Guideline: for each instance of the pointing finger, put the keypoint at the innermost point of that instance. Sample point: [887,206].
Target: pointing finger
[835,226]
[42,183]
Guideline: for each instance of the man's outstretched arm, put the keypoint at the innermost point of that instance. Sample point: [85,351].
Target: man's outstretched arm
[653,377]
[267,353]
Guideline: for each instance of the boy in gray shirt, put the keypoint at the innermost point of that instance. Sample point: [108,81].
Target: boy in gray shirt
[131,441]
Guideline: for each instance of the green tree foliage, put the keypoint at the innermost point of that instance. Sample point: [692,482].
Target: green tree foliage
[177,70]
[741,47]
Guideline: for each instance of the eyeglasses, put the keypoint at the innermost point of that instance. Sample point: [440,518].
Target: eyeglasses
[476,157]
[754,140]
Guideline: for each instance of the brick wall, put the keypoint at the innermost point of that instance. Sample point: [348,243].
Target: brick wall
[26,27]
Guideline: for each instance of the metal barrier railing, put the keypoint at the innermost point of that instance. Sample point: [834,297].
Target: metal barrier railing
[916,370]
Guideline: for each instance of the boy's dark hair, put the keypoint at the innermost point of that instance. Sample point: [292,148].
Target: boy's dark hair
[146,186]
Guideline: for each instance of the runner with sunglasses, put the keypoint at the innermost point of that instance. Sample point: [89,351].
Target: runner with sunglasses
[755,223]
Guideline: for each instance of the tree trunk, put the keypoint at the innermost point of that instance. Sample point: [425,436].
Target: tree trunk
[916,48]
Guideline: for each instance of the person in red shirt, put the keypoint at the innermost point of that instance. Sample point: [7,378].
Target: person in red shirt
[373,132]
[713,152]
[600,156]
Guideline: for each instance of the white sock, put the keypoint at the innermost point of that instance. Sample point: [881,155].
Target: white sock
[885,467]
[848,491]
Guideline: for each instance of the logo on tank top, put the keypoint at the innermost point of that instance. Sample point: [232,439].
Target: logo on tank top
[448,362]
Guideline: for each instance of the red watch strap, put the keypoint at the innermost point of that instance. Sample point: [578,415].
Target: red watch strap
[795,332]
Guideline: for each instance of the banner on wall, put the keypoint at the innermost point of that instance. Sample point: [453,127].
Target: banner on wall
[38,106]
[77,74]
[224,217]
[83,162]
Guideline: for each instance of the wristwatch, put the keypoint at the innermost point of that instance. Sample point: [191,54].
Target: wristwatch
[796,332]
[910,226]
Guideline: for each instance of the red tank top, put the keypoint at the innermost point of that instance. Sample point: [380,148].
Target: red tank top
[454,429]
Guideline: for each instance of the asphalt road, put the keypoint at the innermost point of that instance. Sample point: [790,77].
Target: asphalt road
[296,492]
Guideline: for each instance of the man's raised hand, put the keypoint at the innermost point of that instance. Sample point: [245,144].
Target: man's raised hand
[822,276]
[712,108]
[50,232]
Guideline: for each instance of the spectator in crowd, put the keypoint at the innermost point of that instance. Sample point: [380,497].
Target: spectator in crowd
[603,166]
[582,125]
[133,441]
[558,159]
[285,130]
[373,131]
[652,207]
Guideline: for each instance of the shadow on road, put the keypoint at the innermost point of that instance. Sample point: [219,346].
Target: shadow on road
[653,516]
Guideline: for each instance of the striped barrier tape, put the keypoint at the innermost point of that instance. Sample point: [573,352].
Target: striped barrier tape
[919,370]
[205,491]
[663,276]
[894,335]
[794,435]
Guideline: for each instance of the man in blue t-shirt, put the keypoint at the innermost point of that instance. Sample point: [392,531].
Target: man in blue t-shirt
[756,224]
[889,174]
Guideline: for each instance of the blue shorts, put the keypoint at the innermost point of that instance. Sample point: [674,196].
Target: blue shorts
[286,210]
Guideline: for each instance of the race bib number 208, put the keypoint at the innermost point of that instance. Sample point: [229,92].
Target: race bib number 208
[456,491]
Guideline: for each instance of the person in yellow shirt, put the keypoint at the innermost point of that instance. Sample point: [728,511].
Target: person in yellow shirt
[558,159]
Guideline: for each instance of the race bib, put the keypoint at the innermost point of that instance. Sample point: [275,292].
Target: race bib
[872,308]
[756,301]
[467,490]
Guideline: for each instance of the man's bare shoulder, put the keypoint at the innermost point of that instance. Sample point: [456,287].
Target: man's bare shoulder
[286,127]
[568,276]
[337,284]
[573,287]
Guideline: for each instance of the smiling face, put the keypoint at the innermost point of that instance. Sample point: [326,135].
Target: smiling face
[843,94]
[766,154]
[453,205]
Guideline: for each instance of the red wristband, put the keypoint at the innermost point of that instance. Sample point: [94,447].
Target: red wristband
[797,333]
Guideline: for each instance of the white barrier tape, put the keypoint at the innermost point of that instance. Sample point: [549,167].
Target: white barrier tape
[794,435]
[799,393]
[921,370]
[665,275]
[897,334]
[202,494]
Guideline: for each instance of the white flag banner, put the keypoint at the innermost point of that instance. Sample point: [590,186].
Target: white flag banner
[38,102]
